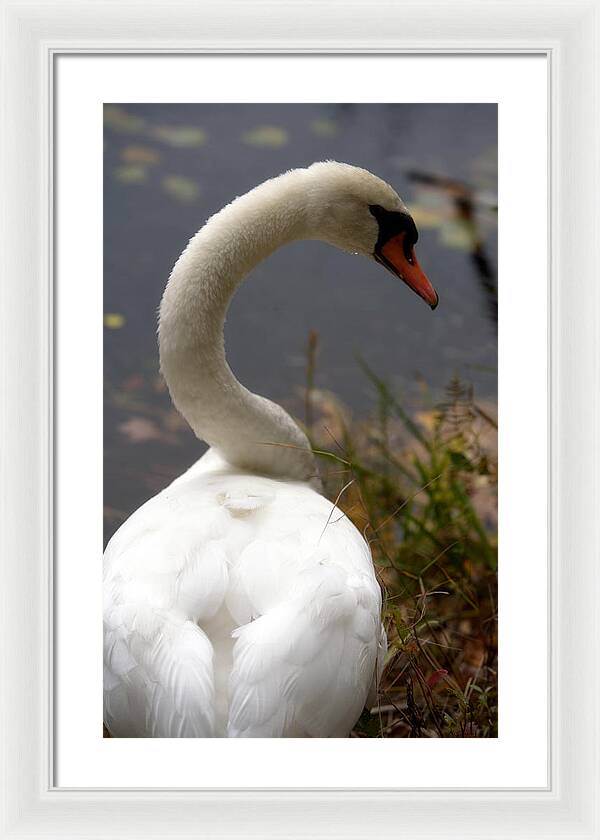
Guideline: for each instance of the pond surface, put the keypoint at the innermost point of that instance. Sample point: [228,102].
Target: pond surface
[169,167]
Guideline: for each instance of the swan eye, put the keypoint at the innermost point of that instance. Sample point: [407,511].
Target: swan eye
[409,250]
[392,223]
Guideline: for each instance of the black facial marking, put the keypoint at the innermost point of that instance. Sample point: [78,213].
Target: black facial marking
[391,223]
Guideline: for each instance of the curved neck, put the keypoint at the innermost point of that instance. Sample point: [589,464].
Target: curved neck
[250,431]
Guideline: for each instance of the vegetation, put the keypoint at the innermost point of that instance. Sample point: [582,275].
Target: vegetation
[422,487]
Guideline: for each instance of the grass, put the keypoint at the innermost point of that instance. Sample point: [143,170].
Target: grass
[422,488]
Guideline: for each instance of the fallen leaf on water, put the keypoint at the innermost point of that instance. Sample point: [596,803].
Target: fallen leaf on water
[113,515]
[266,136]
[133,382]
[180,187]
[424,217]
[115,116]
[140,430]
[114,320]
[140,154]
[324,127]
[180,136]
[130,174]
[459,234]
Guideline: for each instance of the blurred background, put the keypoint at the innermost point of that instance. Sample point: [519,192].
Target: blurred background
[371,372]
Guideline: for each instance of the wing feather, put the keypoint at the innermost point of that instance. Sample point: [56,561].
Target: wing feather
[305,666]
[165,687]
[238,605]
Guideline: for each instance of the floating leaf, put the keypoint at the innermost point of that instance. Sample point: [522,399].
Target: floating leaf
[425,217]
[324,127]
[140,430]
[180,187]
[142,155]
[131,174]
[180,136]
[133,382]
[114,320]
[459,234]
[266,136]
[115,116]
[113,515]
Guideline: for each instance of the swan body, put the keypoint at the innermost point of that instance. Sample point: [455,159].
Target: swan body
[239,602]
[237,611]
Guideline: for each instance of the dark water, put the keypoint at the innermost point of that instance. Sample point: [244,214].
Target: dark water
[169,167]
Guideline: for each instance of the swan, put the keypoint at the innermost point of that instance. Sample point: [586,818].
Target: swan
[239,602]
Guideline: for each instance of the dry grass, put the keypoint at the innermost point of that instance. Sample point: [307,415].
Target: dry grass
[422,488]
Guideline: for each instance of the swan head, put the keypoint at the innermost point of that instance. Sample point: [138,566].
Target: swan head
[357,212]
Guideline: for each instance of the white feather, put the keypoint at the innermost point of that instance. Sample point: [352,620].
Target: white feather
[288,596]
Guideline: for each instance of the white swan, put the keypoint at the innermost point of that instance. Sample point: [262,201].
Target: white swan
[238,603]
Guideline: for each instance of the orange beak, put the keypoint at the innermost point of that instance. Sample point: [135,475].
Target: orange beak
[400,259]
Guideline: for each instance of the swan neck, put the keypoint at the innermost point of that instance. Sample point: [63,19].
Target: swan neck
[251,432]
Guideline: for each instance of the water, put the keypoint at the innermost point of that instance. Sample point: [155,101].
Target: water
[169,167]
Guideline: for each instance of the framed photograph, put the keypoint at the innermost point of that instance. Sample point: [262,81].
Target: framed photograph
[357,593]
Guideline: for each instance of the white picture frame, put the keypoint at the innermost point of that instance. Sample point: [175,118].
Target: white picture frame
[32,35]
